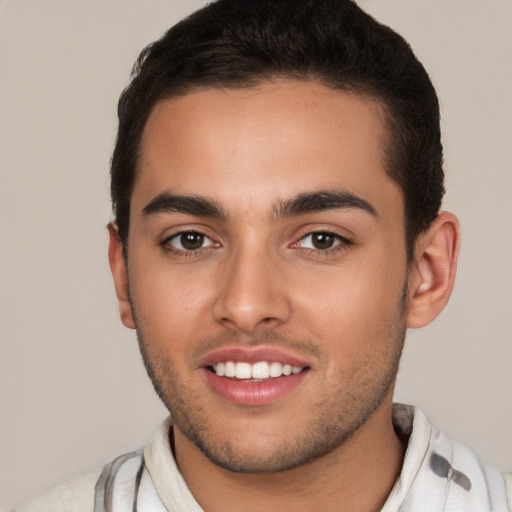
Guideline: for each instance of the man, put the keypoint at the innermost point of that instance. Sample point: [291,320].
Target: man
[276,183]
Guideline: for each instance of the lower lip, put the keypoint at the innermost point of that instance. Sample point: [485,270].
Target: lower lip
[253,393]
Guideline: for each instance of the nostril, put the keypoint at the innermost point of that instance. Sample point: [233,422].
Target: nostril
[268,321]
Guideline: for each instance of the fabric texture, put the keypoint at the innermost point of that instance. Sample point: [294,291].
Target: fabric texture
[438,475]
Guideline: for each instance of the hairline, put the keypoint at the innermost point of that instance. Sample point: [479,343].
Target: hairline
[358,89]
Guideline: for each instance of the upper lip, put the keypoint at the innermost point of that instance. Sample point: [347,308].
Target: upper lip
[250,355]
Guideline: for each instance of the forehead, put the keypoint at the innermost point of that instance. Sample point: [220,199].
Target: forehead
[264,143]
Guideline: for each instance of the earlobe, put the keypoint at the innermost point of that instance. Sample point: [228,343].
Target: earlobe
[120,275]
[433,272]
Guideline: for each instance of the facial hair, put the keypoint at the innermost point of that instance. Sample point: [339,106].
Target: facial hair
[333,418]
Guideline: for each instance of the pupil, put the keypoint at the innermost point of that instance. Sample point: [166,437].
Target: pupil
[323,240]
[192,241]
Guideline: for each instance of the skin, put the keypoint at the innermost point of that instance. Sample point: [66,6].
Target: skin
[258,279]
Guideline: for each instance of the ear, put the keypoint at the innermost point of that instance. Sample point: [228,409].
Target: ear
[433,271]
[120,275]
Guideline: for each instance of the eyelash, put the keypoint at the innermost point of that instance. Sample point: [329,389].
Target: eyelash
[342,244]
[166,244]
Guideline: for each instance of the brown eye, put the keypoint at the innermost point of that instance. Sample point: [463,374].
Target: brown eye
[190,241]
[322,240]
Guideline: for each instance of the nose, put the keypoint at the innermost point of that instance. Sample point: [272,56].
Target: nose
[251,293]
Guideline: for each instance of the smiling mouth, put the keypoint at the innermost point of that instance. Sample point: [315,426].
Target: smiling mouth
[253,372]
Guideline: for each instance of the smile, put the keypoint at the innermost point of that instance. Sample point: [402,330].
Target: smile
[258,370]
[253,376]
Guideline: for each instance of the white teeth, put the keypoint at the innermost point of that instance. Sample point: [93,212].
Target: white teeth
[243,371]
[229,369]
[276,369]
[219,369]
[259,370]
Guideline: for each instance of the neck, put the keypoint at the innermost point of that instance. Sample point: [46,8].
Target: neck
[357,475]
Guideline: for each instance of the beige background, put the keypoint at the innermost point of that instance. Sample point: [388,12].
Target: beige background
[73,390]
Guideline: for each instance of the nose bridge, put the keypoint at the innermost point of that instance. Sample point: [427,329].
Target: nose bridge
[251,294]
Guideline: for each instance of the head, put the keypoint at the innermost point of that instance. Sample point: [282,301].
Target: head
[240,44]
[276,184]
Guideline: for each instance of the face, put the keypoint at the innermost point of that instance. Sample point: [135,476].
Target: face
[266,270]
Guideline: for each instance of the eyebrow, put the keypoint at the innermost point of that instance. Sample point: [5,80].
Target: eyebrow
[308,202]
[320,201]
[193,205]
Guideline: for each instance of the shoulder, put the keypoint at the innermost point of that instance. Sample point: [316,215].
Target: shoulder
[439,472]
[78,493]
[73,495]
[508,487]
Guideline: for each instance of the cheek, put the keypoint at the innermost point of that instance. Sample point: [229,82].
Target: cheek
[350,307]
[169,303]
[359,293]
